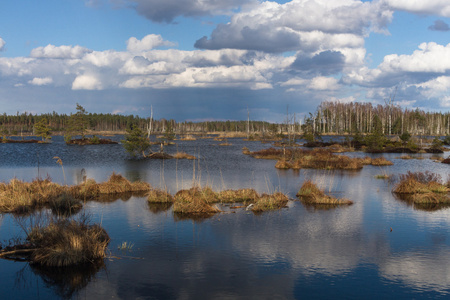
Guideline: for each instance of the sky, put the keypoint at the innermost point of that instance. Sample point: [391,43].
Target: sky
[197,60]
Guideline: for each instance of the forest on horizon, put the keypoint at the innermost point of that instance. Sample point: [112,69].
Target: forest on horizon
[329,118]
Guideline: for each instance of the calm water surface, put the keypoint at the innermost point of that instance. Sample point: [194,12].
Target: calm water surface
[297,252]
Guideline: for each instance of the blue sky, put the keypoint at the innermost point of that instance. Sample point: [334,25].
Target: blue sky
[210,59]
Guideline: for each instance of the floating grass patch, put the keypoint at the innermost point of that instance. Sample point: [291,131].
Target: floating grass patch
[18,195]
[381,161]
[68,242]
[183,155]
[430,197]
[422,188]
[188,137]
[159,196]
[382,176]
[270,153]
[65,205]
[119,184]
[242,195]
[283,164]
[405,157]
[268,202]
[365,160]
[62,243]
[196,202]
[309,159]
[246,151]
[157,207]
[311,194]
[87,190]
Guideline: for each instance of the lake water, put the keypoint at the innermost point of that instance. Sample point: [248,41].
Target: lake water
[297,252]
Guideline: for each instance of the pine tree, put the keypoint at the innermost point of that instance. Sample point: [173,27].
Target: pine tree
[77,124]
[41,129]
[135,142]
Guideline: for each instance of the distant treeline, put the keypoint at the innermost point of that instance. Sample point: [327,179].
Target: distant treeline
[58,123]
[339,118]
[329,118]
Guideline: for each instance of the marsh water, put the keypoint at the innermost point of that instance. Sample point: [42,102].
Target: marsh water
[379,247]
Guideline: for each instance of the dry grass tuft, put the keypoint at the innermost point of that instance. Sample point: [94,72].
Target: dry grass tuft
[65,205]
[311,194]
[246,151]
[282,164]
[270,202]
[183,155]
[67,243]
[424,188]
[159,196]
[195,202]
[430,197]
[18,195]
[119,184]
[381,161]
[365,160]
[309,159]
[242,195]
[188,137]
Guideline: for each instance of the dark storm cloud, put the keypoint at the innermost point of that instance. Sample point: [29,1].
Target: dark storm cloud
[439,25]
[167,10]
[261,38]
[324,63]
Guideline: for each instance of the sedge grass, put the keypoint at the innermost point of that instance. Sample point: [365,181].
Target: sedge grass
[268,202]
[67,242]
[423,188]
[19,196]
[196,202]
[311,194]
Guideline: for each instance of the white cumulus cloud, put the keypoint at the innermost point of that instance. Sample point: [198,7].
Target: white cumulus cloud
[86,82]
[62,52]
[2,44]
[41,81]
[430,7]
[324,83]
[147,43]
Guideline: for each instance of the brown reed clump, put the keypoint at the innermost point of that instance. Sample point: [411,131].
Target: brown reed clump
[270,202]
[242,195]
[323,159]
[311,194]
[18,195]
[87,190]
[270,153]
[381,161]
[309,159]
[183,155]
[195,202]
[67,243]
[119,184]
[188,137]
[430,197]
[420,183]
[366,160]
[159,196]
[246,151]
[283,164]
[65,205]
